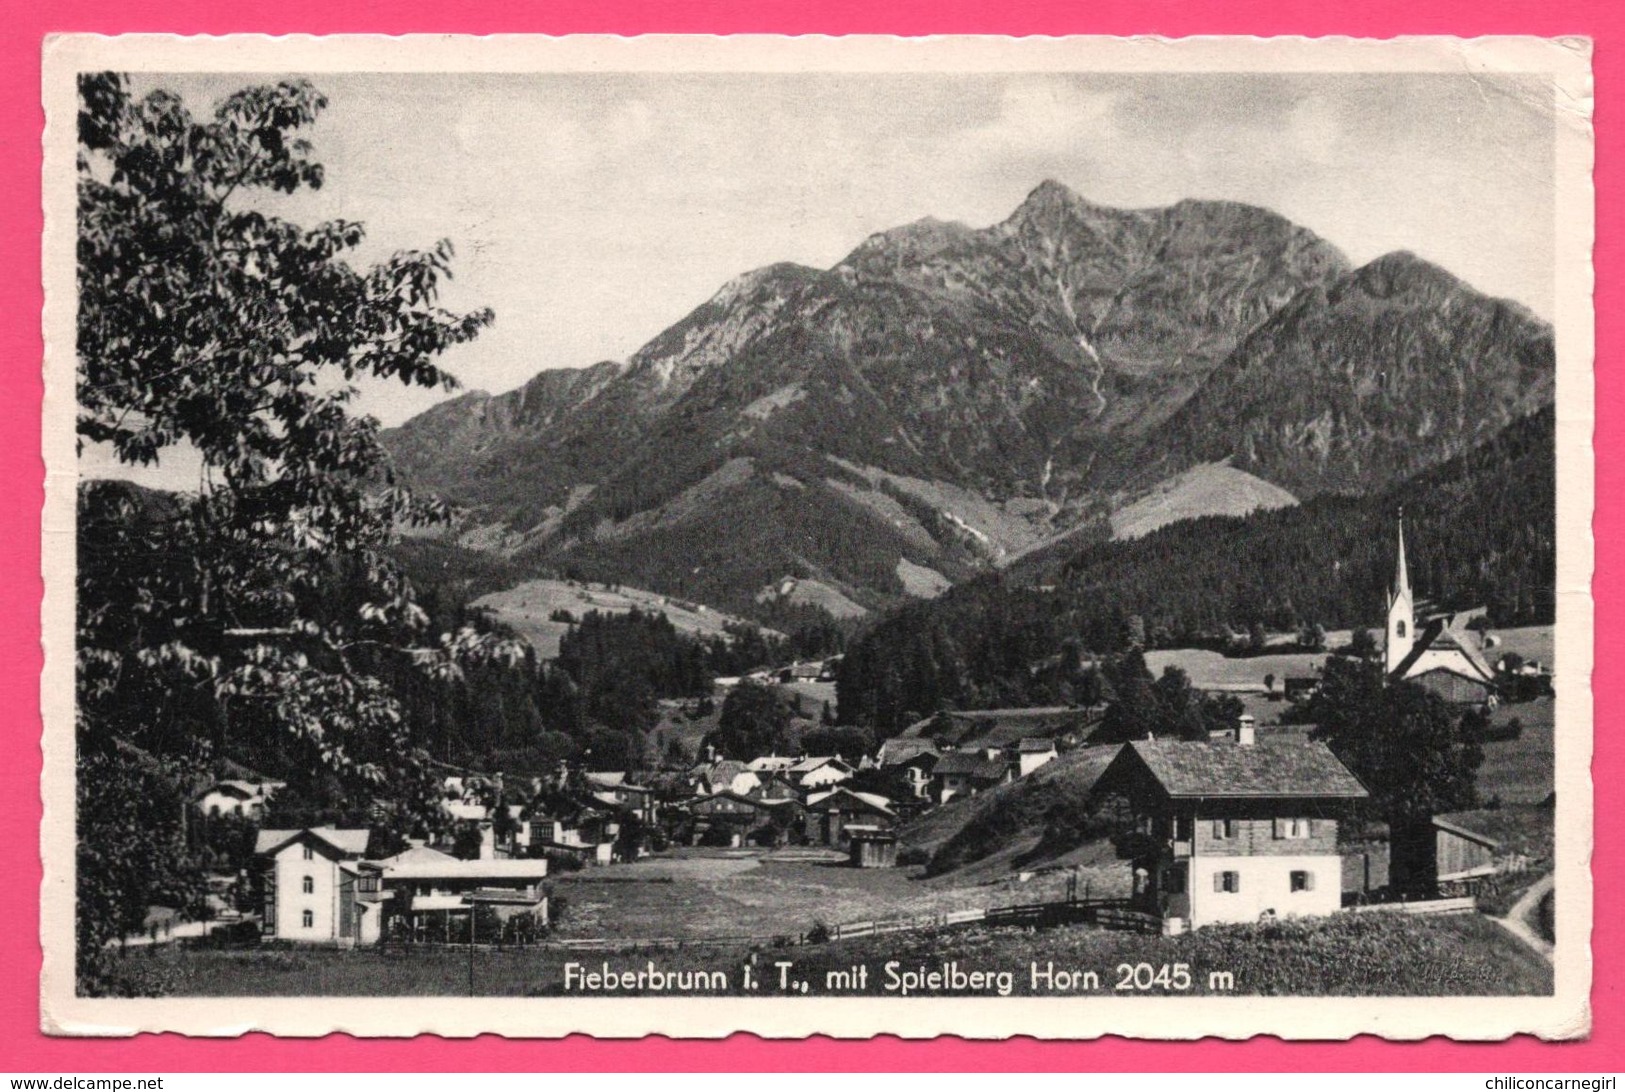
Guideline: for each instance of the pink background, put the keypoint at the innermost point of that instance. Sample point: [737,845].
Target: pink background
[24,1049]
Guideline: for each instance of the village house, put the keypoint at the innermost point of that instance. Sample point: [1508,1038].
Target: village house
[237,797]
[308,882]
[430,891]
[774,788]
[724,819]
[724,775]
[963,773]
[819,771]
[1233,831]
[1031,753]
[910,762]
[770,764]
[585,833]
[831,813]
[1434,649]
[613,789]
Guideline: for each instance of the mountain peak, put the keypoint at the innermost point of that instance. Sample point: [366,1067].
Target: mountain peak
[1402,273]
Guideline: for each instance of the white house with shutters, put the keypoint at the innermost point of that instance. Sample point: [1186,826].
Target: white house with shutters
[1233,830]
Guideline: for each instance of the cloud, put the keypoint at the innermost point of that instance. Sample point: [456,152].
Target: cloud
[1043,118]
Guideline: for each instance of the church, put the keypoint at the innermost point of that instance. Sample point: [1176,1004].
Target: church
[1434,648]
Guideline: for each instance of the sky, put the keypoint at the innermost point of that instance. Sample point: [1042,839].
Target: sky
[590,211]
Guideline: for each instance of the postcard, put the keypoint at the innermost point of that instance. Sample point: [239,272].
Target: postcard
[849,536]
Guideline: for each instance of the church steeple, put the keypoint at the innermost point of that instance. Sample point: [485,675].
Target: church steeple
[1402,576]
[1401,634]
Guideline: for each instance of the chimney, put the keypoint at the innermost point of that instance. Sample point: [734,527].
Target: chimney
[488,841]
[1244,730]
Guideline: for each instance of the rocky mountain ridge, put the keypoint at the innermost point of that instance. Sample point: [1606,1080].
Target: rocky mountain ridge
[947,397]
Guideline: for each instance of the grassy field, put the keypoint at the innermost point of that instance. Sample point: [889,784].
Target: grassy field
[1215,671]
[1349,955]
[1522,770]
[529,607]
[697,894]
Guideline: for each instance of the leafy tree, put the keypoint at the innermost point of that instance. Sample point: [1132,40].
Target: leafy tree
[1258,637]
[755,721]
[1312,637]
[263,607]
[1415,755]
[1363,644]
[1269,682]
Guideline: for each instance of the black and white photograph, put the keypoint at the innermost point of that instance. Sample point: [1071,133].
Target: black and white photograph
[698,535]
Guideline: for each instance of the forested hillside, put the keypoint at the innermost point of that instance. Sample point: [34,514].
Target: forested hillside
[1480,530]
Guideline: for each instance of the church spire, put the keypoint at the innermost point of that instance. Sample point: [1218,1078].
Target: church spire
[1402,576]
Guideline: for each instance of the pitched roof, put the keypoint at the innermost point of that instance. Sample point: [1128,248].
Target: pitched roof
[771,763]
[607,778]
[348,843]
[872,800]
[895,752]
[1036,745]
[1270,768]
[1464,832]
[507,868]
[813,762]
[1447,633]
[965,764]
[473,812]
[414,855]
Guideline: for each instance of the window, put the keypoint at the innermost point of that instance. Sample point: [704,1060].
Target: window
[309,885]
[1292,828]
[1303,881]
[1227,881]
[1399,628]
[368,883]
[1173,881]
[310,854]
[1224,828]
[1182,828]
[309,919]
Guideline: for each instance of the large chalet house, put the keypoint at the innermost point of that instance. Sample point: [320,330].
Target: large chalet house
[1233,830]
[1434,649]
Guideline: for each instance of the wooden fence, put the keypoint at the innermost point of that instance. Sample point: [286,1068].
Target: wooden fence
[1421,906]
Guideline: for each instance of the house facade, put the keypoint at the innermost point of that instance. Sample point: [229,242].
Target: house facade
[1233,831]
[1031,753]
[433,894]
[965,773]
[819,772]
[236,797]
[308,879]
[831,814]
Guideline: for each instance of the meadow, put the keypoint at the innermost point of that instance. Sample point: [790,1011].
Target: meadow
[697,894]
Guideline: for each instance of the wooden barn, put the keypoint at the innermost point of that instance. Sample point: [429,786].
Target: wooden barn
[1461,855]
[872,847]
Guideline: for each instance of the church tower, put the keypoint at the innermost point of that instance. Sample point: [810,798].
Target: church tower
[1401,611]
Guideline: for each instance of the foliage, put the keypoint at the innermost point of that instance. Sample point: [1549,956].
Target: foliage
[262,608]
[135,857]
[1415,755]
[755,721]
